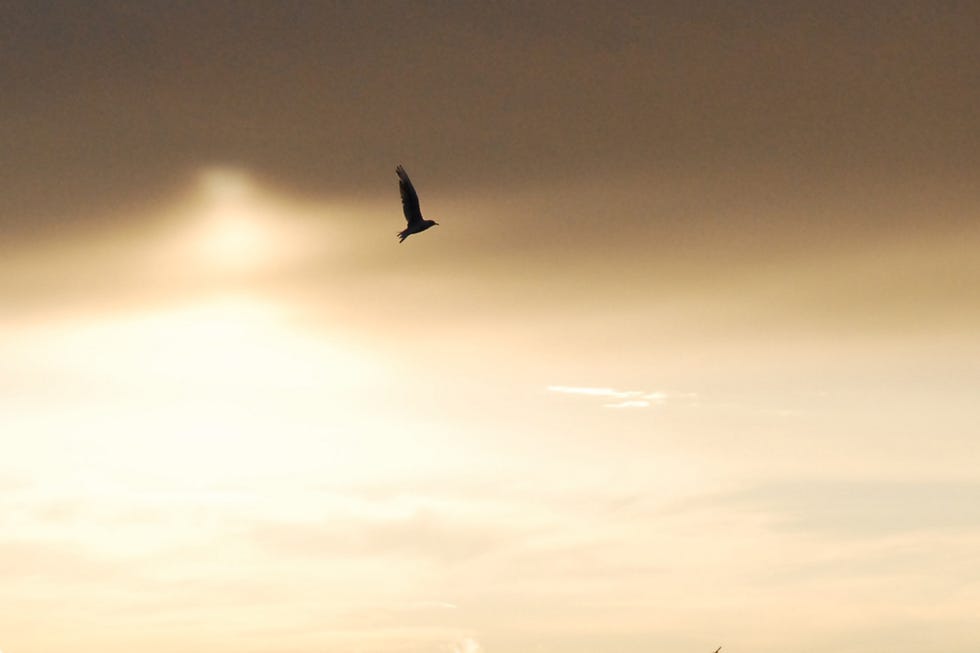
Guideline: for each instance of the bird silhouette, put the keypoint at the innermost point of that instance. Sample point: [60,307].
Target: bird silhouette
[410,204]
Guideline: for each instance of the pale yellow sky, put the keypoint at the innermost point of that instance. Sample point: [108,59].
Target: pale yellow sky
[258,423]
[692,360]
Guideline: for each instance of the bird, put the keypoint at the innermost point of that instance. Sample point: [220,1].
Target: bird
[410,204]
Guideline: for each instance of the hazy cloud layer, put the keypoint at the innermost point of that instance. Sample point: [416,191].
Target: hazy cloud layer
[866,508]
[328,98]
[692,359]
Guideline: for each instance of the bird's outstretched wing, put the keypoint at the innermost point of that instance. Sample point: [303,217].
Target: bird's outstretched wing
[410,199]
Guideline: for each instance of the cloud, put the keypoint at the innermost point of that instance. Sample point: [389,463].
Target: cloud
[595,392]
[467,645]
[865,508]
[629,398]
[55,562]
[420,535]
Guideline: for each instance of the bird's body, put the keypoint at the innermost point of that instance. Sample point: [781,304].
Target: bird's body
[410,205]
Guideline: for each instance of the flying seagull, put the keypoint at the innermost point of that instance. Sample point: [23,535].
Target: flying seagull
[410,204]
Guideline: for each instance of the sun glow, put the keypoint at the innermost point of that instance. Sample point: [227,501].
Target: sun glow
[209,375]
[237,229]
[200,393]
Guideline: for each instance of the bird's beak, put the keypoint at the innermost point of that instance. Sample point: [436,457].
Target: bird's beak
[435,223]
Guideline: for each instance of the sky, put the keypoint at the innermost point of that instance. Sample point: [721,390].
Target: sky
[691,360]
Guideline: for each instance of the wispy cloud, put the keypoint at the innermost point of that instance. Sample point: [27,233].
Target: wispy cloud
[467,645]
[628,398]
[419,535]
[595,392]
[864,508]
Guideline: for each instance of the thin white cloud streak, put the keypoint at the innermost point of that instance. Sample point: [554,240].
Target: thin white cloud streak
[594,392]
[630,398]
[632,403]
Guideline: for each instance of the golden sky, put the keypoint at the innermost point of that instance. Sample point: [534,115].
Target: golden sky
[693,358]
